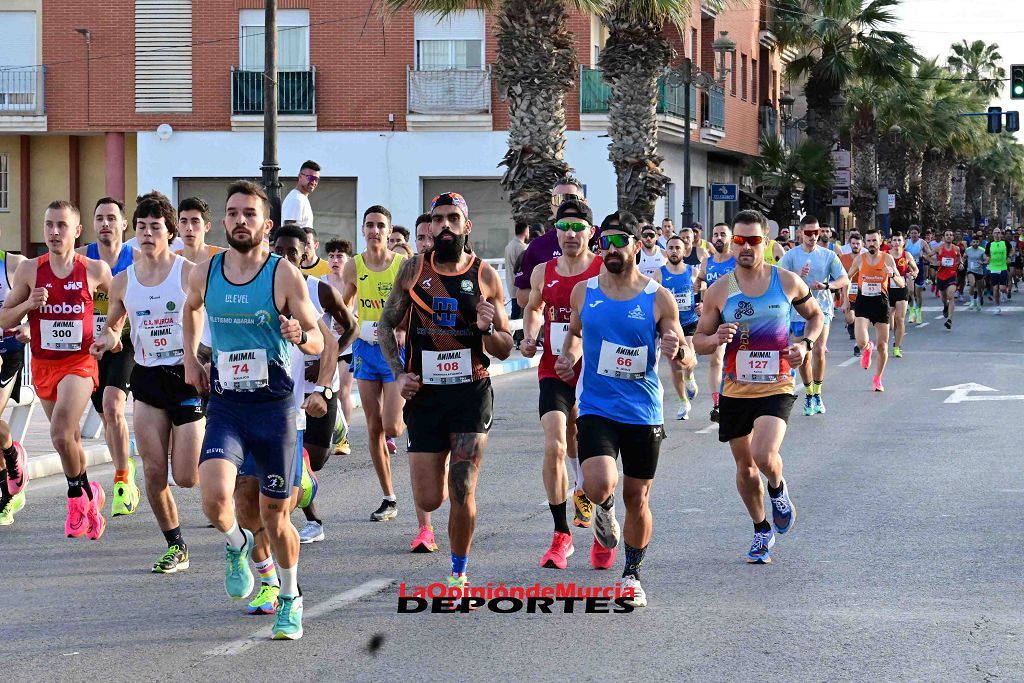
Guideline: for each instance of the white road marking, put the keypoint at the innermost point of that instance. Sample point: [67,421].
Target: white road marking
[961,393]
[940,317]
[340,600]
[707,430]
[849,361]
[923,325]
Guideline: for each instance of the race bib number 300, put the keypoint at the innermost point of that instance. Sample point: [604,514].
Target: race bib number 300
[61,335]
[447,367]
[622,362]
[757,366]
[244,370]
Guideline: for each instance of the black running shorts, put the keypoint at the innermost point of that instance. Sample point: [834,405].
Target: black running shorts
[164,388]
[736,416]
[897,294]
[874,308]
[556,395]
[436,412]
[320,430]
[115,371]
[639,445]
[10,372]
[945,284]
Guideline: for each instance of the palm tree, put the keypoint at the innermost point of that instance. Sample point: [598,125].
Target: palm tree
[979,63]
[780,168]
[862,103]
[634,57]
[536,64]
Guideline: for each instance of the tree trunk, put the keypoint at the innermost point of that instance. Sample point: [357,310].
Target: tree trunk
[823,128]
[864,201]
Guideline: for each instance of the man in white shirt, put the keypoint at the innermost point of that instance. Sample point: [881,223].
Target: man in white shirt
[296,205]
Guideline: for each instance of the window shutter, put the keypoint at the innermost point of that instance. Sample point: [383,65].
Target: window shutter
[163,56]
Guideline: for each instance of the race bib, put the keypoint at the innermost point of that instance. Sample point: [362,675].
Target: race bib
[368,331]
[447,367]
[947,262]
[98,322]
[622,362]
[559,331]
[61,335]
[163,341]
[759,367]
[854,289]
[872,288]
[244,370]
[684,300]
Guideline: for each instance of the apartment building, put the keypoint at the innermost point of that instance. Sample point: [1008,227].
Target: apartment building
[130,95]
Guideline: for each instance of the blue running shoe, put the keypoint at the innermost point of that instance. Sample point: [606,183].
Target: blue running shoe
[238,579]
[288,625]
[759,549]
[808,405]
[819,405]
[783,513]
[691,389]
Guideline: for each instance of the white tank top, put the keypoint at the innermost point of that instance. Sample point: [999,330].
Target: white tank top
[155,314]
[649,264]
[5,282]
[313,285]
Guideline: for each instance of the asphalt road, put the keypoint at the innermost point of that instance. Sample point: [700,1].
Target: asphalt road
[902,564]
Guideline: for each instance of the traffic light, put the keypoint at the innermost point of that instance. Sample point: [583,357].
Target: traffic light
[1017,82]
[1012,121]
[995,119]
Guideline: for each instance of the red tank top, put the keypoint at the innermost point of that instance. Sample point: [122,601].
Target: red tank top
[557,293]
[948,258]
[62,328]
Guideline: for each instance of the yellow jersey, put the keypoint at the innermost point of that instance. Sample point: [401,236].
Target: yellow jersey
[372,291]
[318,269]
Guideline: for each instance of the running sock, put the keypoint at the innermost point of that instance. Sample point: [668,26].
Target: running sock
[558,512]
[775,492]
[5,494]
[236,539]
[809,389]
[173,537]
[290,581]
[762,527]
[312,516]
[577,470]
[11,461]
[459,563]
[268,572]
[634,558]
[816,387]
[609,504]
[74,487]
[121,476]
[714,399]
[83,479]
[391,498]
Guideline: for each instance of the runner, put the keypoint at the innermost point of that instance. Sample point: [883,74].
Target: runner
[652,258]
[873,271]
[822,271]
[947,259]
[545,247]
[921,252]
[315,265]
[368,279]
[692,255]
[55,291]
[976,281]
[717,263]
[668,231]
[550,287]
[996,252]
[750,313]
[454,307]
[194,221]
[679,277]
[398,238]
[339,252]
[14,463]
[424,238]
[933,245]
[620,399]
[855,242]
[151,292]
[251,408]
[906,266]
[111,397]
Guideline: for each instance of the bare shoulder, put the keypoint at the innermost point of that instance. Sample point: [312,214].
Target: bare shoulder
[97,267]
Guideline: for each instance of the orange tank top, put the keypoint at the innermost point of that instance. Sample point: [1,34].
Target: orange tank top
[873,279]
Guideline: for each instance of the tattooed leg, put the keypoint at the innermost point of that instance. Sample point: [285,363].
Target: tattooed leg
[466,457]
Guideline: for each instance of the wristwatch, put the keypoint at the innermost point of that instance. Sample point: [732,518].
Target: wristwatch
[303,338]
[489,331]
[810,344]
[327,392]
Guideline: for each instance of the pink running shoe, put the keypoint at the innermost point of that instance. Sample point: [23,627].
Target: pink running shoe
[557,556]
[601,557]
[424,542]
[15,486]
[97,525]
[77,523]
[392,446]
[865,355]
[877,383]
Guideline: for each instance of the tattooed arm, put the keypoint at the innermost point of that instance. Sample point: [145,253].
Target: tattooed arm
[394,314]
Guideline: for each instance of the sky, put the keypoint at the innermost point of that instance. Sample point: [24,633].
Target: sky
[933,25]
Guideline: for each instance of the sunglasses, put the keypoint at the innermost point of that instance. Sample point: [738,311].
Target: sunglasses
[649,235]
[575,226]
[311,178]
[557,199]
[617,240]
[752,240]
[811,233]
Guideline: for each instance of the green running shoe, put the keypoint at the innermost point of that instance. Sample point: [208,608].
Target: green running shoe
[126,494]
[265,601]
[15,504]
[288,625]
[238,579]
[173,561]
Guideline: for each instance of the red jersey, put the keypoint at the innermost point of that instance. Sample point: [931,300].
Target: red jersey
[948,259]
[62,328]
[557,311]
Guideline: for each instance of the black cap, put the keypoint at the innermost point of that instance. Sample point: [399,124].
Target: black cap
[578,209]
[627,223]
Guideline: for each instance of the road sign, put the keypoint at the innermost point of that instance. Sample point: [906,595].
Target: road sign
[961,393]
[840,196]
[892,201]
[841,158]
[724,192]
[841,178]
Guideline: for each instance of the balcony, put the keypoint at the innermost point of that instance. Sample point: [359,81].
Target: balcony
[296,99]
[22,98]
[595,94]
[712,129]
[448,99]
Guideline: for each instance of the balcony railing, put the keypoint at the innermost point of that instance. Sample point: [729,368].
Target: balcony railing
[22,90]
[449,91]
[716,108]
[296,91]
[595,93]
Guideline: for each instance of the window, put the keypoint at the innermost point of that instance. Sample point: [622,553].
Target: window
[452,42]
[754,94]
[292,40]
[5,204]
[732,74]
[743,77]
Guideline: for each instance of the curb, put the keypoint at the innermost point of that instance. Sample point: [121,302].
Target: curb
[47,465]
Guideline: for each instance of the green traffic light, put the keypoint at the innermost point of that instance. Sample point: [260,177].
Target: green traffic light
[1018,89]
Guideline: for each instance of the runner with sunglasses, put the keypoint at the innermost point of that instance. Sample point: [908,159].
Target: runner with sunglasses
[679,278]
[749,312]
[550,287]
[652,258]
[718,263]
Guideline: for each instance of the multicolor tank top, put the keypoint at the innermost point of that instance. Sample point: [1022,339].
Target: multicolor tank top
[755,360]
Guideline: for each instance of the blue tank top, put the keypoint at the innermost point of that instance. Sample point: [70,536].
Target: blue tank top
[124,259]
[251,362]
[619,380]
[716,270]
[914,248]
[681,286]
[7,342]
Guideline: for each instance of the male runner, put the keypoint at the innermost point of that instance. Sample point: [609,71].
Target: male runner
[906,266]
[424,238]
[976,280]
[194,221]
[874,271]
[339,252]
[718,262]
[55,291]
[14,463]
[251,409]
[996,253]
[693,255]
[921,252]
[668,231]
[111,397]
[399,237]
[678,277]
[822,271]
[454,308]
[151,293]
[750,313]
[620,400]
[947,259]
[855,242]
[545,247]
[368,279]
[315,265]
[550,287]
[652,258]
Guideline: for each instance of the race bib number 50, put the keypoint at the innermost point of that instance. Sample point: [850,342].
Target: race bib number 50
[622,362]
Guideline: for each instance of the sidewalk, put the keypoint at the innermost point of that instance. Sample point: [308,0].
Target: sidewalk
[47,463]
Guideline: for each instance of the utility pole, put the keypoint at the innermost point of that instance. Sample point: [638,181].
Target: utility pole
[271,168]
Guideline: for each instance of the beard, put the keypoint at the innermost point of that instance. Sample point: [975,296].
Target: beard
[242,244]
[615,264]
[448,251]
[872,250]
[719,246]
[674,259]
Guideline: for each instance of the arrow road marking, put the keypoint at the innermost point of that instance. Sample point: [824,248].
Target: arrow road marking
[961,393]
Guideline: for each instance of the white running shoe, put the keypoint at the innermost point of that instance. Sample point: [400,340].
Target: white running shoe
[639,598]
[313,532]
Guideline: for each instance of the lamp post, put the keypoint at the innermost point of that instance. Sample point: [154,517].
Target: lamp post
[270,167]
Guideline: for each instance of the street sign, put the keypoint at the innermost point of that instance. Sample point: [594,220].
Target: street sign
[841,178]
[983,222]
[724,192]
[892,201]
[841,158]
[840,196]
[961,393]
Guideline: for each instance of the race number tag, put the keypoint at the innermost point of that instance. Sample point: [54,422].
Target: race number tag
[947,262]
[854,288]
[872,288]
[368,331]
[162,341]
[98,322]
[757,366]
[61,335]
[622,362]
[684,300]
[244,370]
[447,367]
[559,331]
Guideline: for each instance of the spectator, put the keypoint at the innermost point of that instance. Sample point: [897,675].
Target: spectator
[296,205]
[514,251]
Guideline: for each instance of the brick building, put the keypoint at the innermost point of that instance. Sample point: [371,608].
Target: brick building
[128,95]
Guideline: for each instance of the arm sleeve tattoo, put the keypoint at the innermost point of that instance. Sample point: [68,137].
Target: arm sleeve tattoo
[395,311]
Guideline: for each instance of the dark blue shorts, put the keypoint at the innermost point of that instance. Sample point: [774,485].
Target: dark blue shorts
[248,468]
[1000,278]
[922,271]
[264,430]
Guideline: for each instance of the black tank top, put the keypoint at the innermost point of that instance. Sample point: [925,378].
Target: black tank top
[694,258]
[442,323]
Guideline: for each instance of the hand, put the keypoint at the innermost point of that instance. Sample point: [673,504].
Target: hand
[103,342]
[23,333]
[38,297]
[313,372]
[890,271]
[291,330]
[726,331]
[564,367]
[818,286]
[315,405]
[408,384]
[528,347]
[806,270]
[669,344]
[485,312]
[700,309]
[197,375]
[795,353]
